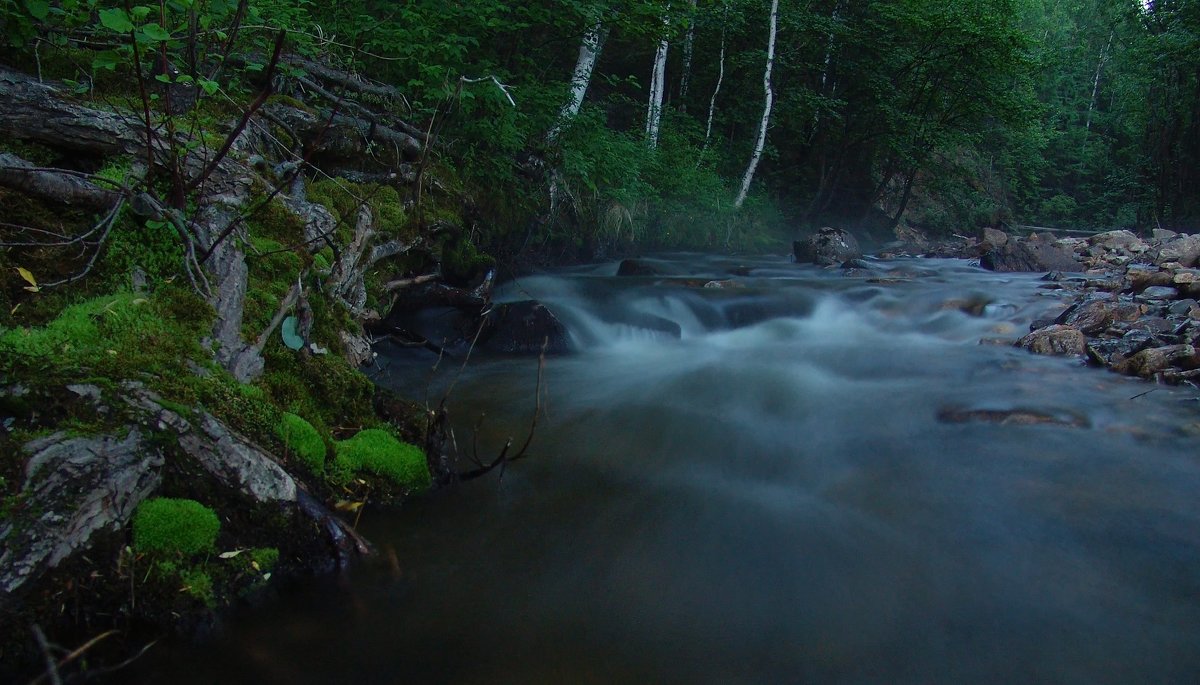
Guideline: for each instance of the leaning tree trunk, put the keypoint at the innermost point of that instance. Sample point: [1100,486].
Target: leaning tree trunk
[766,116]
[585,64]
[658,82]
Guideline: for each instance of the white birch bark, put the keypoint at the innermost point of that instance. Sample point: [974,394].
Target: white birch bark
[1096,81]
[658,82]
[712,103]
[766,117]
[585,64]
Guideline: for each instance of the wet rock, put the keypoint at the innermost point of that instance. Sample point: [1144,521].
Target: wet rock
[1138,277]
[1154,360]
[1057,340]
[827,247]
[1011,417]
[1123,241]
[1113,351]
[1162,234]
[1184,249]
[522,328]
[1159,292]
[1094,316]
[638,267]
[1029,255]
[1185,308]
[992,239]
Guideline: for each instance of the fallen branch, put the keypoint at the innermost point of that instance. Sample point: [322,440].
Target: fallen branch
[50,184]
[409,282]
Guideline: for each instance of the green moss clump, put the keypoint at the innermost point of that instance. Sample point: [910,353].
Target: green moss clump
[174,527]
[197,583]
[263,559]
[302,440]
[379,452]
[462,262]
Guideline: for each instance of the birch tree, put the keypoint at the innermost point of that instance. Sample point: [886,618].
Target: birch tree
[658,82]
[585,64]
[766,115]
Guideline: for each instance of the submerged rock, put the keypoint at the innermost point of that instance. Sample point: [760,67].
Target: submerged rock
[1011,417]
[827,247]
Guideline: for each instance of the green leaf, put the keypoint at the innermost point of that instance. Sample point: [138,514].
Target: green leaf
[155,32]
[141,12]
[109,59]
[116,19]
[291,337]
[163,78]
[40,9]
[209,87]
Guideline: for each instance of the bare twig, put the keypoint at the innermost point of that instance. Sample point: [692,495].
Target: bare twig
[51,665]
[241,125]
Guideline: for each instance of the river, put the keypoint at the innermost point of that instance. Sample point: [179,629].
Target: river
[752,484]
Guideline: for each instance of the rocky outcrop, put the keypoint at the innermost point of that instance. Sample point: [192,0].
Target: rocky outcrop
[75,487]
[827,247]
[1029,255]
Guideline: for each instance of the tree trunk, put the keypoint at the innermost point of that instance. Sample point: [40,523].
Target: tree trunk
[658,78]
[585,64]
[766,116]
[1096,83]
[712,103]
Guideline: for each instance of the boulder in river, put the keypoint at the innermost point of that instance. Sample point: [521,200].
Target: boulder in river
[1154,360]
[1056,340]
[827,247]
[1029,255]
[1010,417]
[1094,316]
[523,328]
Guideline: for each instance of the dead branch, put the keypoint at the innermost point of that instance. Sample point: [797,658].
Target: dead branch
[241,125]
[390,249]
[107,223]
[409,282]
[49,184]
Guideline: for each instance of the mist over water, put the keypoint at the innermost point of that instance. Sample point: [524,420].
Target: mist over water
[751,484]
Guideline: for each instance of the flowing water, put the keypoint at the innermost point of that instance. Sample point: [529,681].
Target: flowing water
[752,484]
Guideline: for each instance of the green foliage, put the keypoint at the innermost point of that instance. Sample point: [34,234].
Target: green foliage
[302,440]
[174,527]
[379,452]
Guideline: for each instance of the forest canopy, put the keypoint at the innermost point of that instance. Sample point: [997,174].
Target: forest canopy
[602,121]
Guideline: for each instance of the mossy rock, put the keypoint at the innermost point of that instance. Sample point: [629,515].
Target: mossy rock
[302,440]
[463,263]
[377,451]
[174,527]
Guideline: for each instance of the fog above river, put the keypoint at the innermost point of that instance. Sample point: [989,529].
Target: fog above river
[752,484]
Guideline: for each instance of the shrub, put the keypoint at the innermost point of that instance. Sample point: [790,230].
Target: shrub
[379,452]
[302,440]
[174,526]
